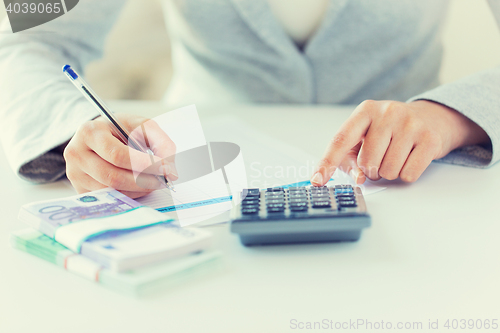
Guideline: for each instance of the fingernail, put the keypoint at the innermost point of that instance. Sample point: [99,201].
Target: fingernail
[317,179]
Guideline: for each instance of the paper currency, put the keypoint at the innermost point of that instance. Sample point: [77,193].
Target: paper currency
[136,282]
[113,230]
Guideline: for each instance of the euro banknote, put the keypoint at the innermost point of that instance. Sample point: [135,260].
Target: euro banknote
[137,282]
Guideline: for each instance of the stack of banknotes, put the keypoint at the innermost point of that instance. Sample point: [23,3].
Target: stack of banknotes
[108,238]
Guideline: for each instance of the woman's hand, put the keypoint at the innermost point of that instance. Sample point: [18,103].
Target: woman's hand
[96,158]
[388,139]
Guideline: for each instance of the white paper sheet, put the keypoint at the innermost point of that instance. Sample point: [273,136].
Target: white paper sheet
[268,162]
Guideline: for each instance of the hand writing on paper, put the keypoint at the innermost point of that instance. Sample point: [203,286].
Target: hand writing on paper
[96,158]
[387,139]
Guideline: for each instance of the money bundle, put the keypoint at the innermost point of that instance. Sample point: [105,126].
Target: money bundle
[109,238]
[138,282]
[113,230]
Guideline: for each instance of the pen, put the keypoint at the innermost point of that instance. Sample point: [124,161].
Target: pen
[120,130]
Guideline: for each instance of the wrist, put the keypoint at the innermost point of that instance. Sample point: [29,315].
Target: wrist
[460,130]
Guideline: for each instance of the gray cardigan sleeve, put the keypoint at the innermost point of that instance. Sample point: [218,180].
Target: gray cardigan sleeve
[478,98]
[39,108]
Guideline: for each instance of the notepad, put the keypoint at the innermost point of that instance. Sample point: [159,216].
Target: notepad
[191,203]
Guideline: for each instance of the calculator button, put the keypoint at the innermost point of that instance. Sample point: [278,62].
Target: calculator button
[347,203]
[301,203]
[294,200]
[298,208]
[251,210]
[320,193]
[252,192]
[253,201]
[275,193]
[270,194]
[275,205]
[299,188]
[275,197]
[250,202]
[343,191]
[350,194]
[275,209]
[325,196]
[320,200]
[275,201]
[256,206]
[347,198]
[321,204]
[319,190]
[298,195]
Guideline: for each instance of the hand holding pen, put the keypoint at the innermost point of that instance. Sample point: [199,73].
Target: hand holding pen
[99,154]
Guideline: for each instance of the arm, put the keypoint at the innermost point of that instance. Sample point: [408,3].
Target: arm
[476,97]
[40,110]
[457,123]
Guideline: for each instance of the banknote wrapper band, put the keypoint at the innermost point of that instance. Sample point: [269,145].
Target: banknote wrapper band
[73,235]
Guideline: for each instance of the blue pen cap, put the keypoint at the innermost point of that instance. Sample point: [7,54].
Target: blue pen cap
[68,70]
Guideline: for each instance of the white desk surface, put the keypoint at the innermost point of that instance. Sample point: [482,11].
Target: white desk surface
[431,253]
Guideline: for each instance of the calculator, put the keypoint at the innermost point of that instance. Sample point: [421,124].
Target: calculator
[281,215]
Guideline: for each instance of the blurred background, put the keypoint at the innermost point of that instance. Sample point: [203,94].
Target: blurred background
[139,42]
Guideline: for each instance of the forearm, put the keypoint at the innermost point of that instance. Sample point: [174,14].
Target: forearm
[39,108]
[477,98]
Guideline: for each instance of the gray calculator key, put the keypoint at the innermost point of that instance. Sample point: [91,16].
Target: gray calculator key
[276,210]
[270,202]
[321,204]
[298,208]
[298,200]
[297,193]
[274,195]
[347,203]
[249,202]
[298,204]
[319,189]
[349,194]
[321,195]
[275,205]
[253,192]
[301,195]
[251,210]
[276,199]
[256,206]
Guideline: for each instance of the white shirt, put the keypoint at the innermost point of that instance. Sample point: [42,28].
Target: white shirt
[299,18]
